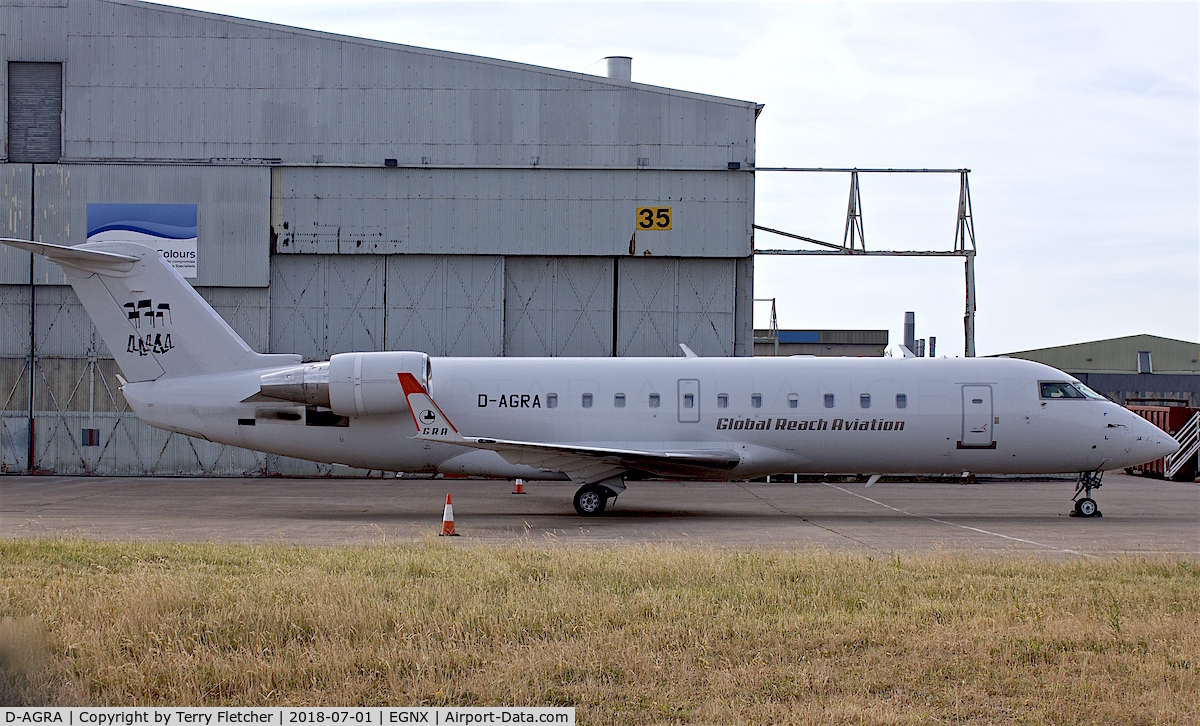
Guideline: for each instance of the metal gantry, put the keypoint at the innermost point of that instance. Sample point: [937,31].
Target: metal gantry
[854,242]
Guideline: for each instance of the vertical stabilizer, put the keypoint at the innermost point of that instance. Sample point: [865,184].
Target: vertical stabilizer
[154,323]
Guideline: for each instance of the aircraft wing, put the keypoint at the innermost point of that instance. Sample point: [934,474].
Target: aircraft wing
[584,464]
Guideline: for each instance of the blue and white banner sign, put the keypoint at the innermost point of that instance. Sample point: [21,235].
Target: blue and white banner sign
[168,228]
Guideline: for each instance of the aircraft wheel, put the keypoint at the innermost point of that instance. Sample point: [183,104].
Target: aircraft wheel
[1086,507]
[590,500]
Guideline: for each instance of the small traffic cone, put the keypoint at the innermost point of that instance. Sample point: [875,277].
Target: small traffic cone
[519,487]
[448,520]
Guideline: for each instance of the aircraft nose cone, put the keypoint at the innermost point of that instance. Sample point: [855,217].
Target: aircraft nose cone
[1151,442]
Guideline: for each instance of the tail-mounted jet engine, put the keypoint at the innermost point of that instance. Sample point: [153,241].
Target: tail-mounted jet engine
[350,384]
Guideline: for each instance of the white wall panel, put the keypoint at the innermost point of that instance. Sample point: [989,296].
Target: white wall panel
[150,82]
[511,212]
[664,302]
[16,217]
[446,304]
[558,306]
[326,304]
[233,206]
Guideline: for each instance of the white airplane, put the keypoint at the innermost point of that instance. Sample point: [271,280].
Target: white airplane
[598,422]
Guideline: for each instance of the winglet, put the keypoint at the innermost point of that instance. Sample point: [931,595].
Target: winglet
[431,423]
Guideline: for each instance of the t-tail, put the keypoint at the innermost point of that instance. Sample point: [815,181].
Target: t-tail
[153,322]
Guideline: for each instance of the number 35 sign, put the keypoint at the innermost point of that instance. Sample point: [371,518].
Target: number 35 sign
[654,218]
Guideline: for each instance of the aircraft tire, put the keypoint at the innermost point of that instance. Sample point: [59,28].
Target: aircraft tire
[1086,507]
[591,500]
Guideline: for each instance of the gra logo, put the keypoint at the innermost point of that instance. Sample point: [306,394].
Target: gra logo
[428,416]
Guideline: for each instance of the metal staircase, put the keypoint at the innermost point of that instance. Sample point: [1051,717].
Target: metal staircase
[1189,443]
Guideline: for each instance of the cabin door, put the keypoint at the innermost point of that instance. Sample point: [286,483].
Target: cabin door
[689,400]
[977,418]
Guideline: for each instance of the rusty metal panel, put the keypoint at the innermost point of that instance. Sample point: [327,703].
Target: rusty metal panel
[558,306]
[16,216]
[233,206]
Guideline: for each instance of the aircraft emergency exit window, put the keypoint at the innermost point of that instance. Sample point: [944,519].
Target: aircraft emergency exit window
[619,400]
[756,400]
[689,400]
[722,400]
[1060,389]
[901,400]
[655,401]
[793,401]
[865,400]
[551,400]
[586,400]
[828,400]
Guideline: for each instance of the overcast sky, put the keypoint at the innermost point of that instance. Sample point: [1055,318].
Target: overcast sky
[1079,121]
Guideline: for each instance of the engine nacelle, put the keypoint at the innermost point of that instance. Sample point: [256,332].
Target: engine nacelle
[367,384]
[350,384]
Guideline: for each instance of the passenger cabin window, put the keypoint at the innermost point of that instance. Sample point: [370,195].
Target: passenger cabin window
[756,400]
[619,400]
[722,400]
[828,400]
[655,401]
[1060,390]
[689,400]
[793,400]
[865,400]
[586,400]
[901,400]
[551,400]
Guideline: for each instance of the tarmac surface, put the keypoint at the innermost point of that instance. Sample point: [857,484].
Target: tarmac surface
[988,518]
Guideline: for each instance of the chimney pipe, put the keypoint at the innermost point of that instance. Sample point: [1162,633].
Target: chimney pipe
[620,67]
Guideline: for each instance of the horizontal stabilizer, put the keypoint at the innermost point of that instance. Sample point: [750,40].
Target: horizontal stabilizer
[86,259]
[153,321]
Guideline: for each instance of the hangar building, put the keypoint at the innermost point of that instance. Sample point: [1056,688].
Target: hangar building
[1133,369]
[347,194]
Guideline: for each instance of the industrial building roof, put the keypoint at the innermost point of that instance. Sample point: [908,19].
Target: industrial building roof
[1119,355]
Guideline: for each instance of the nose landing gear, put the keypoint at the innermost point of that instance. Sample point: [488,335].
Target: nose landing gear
[1086,507]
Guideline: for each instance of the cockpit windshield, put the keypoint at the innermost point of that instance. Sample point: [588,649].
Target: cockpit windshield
[1089,393]
[1064,389]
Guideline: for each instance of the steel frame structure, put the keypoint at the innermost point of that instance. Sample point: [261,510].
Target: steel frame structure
[854,242]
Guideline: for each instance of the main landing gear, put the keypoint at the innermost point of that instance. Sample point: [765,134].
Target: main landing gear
[1086,507]
[592,499]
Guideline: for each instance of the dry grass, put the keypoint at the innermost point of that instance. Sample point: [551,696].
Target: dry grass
[627,635]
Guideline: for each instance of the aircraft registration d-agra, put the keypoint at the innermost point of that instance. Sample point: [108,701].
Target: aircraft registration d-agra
[597,422]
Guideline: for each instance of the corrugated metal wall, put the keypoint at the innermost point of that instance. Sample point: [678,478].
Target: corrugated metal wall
[509,211]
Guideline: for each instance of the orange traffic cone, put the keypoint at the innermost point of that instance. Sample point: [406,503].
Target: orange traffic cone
[448,520]
[519,487]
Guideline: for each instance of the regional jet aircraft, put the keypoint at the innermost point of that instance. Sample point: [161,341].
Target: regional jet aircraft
[598,422]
